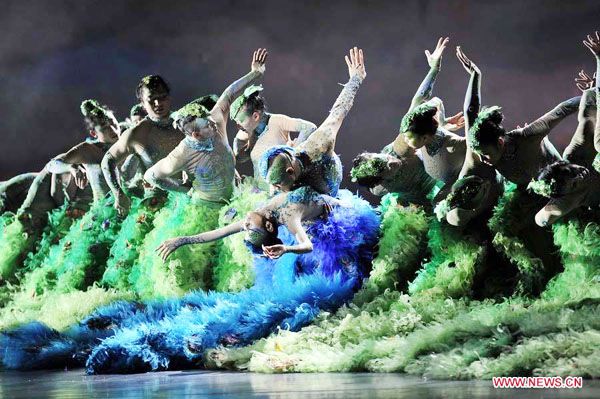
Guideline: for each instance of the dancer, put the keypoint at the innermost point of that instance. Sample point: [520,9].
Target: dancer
[205,153]
[289,292]
[259,130]
[314,162]
[398,169]
[104,130]
[574,183]
[424,126]
[479,185]
[151,139]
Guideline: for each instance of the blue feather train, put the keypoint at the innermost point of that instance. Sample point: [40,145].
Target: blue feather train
[129,337]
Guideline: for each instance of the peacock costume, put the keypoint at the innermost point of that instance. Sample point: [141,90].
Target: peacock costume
[288,293]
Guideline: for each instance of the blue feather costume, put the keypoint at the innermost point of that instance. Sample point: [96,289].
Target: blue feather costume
[289,292]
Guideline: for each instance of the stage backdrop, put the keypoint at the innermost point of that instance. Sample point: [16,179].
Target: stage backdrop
[55,54]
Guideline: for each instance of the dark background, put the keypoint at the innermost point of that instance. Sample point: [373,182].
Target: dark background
[54,54]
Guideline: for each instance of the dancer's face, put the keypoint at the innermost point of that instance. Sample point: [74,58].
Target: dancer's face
[416,141]
[490,154]
[106,132]
[256,231]
[570,179]
[247,122]
[282,174]
[157,104]
[200,127]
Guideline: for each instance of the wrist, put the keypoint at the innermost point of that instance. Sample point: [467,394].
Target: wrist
[356,78]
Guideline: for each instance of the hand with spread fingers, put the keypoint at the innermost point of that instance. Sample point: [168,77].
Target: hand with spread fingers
[165,249]
[593,43]
[356,63]
[584,81]
[259,58]
[435,59]
[455,122]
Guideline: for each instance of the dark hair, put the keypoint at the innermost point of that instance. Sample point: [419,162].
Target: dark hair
[153,83]
[487,129]
[255,103]
[423,123]
[270,239]
[560,172]
[95,114]
[368,180]
[209,101]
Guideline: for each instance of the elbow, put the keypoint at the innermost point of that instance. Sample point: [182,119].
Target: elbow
[544,219]
[308,247]
[106,164]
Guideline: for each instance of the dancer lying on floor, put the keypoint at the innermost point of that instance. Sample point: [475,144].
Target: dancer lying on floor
[290,290]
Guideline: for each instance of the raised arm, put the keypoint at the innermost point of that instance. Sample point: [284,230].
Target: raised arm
[322,141]
[166,248]
[435,62]
[159,175]
[220,111]
[472,103]
[593,43]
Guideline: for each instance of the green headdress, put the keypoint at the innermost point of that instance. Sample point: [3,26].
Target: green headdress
[236,106]
[474,132]
[410,117]
[370,168]
[191,109]
[542,187]
[93,109]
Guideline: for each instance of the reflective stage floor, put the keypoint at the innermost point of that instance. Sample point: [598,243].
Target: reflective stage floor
[219,384]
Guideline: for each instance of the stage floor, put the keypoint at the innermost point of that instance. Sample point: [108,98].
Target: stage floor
[219,384]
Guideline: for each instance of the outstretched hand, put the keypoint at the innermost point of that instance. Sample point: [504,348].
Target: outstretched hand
[469,65]
[356,63]
[455,122]
[435,59]
[584,81]
[79,175]
[259,58]
[593,43]
[165,249]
